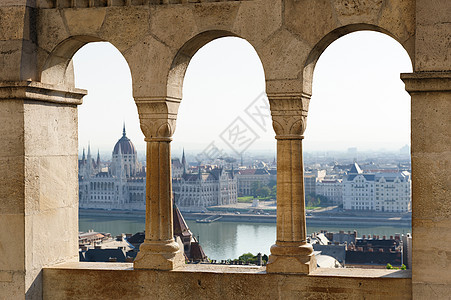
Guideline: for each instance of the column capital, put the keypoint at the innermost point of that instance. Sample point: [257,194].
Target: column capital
[289,114]
[38,91]
[157,117]
[418,82]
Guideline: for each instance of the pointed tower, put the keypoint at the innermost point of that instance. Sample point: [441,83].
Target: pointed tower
[184,161]
[89,164]
[98,161]
[83,158]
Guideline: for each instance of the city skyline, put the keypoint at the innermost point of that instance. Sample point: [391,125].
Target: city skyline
[228,86]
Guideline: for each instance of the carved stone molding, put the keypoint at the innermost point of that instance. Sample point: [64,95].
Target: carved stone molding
[37,91]
[157,117]
[427,81]
[289,114]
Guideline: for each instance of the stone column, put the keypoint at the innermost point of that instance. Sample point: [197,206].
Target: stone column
[291,253]
[159,250]
[431,182]
[38,183]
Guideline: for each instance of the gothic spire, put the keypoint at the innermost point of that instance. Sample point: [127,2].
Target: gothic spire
[123,130]
[83,158]
[98,158]
[183,157]
[184,161]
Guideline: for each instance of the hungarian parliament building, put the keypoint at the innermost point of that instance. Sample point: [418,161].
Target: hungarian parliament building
[121,185]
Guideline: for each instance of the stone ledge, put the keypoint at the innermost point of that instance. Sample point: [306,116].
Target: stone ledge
[240,269]
[120,281]
[427,81]
[113,3]
[37,91]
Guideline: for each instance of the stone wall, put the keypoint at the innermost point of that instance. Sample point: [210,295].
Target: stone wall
[38,118]
[114,281]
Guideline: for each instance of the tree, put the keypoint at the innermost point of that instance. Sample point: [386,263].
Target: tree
[246,257]
[263,191]
[254,187]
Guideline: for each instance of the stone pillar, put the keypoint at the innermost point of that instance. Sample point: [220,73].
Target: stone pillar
[291,253]
[38,183]
[431,183]
[159,250]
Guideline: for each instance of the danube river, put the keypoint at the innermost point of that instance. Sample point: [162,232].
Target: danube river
[224,240]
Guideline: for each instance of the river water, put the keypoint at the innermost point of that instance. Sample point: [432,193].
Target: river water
[224,240]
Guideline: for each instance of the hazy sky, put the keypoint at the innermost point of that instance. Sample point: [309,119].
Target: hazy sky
[358,99]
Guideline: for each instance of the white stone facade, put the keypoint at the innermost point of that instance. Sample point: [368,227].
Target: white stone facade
[248,177]
[385,192]
[198,191]
[332,189]
[122,187]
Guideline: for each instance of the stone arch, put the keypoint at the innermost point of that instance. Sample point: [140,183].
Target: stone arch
[334,35]
[184,55]
[58,67]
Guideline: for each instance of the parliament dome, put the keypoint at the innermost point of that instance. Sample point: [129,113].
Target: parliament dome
[125,144]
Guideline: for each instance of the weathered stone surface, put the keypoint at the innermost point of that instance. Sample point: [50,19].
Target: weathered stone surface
[398,17]
[312,20]
[13,23]
[149,62]
[283,55]
[218,283]
[12,189]
[92,20]
[12,285]
[126,26]
[158,38]
[10,59]
[57,136]
[258,20]
[52,29]
[11,128]
[433,53]
[12,258]
[179,23]
[432,12]
[218,16]
[430,112]
[357,11]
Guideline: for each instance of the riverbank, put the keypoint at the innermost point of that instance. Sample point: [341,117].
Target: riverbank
[338,218]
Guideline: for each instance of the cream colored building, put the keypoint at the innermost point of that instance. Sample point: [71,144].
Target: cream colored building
[196,192]
[385,192]
[158,38]
[122,186]
[247,178]
[332,189]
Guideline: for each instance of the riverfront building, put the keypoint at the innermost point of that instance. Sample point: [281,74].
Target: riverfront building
[385,191]
[121,185]
[196,191]
[332,189]
[248,178]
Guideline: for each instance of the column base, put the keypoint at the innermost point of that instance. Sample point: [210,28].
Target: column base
[159,255]
[288,258]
